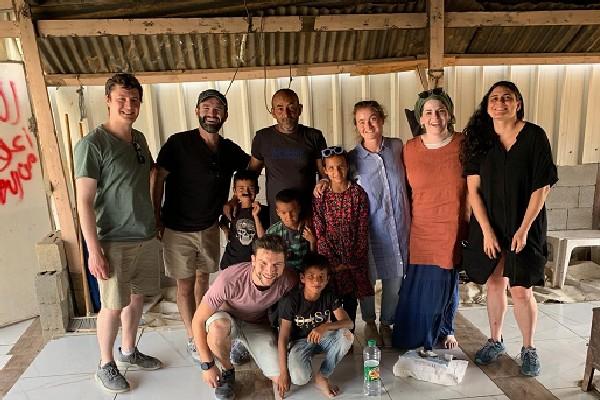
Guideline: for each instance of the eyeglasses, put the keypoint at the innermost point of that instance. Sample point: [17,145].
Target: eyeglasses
[426,93]
[332,150]
[139,153]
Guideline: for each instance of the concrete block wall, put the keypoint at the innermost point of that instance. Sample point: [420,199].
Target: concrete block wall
[51,253]
[570,202]
[52,291]
[52,286]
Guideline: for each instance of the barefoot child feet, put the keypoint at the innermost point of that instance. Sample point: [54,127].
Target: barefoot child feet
[306,328]
[329,389]
[450,342]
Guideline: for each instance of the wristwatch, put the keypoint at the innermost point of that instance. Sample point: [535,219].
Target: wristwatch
[205,366]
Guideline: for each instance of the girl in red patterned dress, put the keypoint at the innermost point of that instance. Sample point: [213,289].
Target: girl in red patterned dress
[341,219]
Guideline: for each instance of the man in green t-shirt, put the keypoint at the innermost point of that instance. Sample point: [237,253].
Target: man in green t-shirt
[112,169]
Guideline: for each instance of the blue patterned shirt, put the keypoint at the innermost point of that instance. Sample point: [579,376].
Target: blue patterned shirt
[382,176]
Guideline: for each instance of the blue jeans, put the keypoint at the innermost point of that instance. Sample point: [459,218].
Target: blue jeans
[335,344]
[389,301]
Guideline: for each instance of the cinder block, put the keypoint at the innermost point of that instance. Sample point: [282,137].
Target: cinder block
[51,287]
[596,255]
[557,219]
[51,253]
[563,197]
[577,175]
[579,218]
[55,317]
[49,334]
[586,196]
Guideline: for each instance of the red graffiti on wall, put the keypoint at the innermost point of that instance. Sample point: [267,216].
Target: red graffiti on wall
[5,115]
[17,151]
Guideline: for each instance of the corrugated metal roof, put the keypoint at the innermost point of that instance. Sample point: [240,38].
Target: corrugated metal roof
[84,55]
[527,39]
[153,53]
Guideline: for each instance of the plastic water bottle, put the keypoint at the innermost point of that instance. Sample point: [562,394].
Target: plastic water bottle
[372,379]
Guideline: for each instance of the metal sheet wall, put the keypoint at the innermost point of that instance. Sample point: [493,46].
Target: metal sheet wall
[562,99]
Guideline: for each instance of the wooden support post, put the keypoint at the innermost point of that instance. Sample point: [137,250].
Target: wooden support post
[49,147]
[596,206]
[435,30]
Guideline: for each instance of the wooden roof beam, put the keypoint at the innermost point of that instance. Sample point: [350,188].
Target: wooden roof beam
[6,5]
[349,67]
[521,59]
[340,22]
[50,148]
[522,18]
[435,35]
[9,29]
[155,26]
[370,22]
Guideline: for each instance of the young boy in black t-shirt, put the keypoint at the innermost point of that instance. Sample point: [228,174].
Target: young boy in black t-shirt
[311,321]
[249,222]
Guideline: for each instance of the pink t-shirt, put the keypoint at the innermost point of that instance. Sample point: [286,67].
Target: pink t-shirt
[233,291]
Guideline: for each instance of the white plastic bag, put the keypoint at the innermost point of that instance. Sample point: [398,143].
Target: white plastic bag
[430,369]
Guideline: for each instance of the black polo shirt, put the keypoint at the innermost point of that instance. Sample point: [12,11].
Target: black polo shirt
[289,161]
[198,182]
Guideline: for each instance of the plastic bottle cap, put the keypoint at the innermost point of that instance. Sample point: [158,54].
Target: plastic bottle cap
[372,343]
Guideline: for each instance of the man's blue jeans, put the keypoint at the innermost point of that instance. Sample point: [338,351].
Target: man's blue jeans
[335,345]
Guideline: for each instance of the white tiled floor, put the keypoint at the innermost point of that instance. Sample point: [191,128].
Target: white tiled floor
[9,335]
[64,369]
[561,339]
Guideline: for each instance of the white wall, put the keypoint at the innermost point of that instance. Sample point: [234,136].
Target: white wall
[24,216]
[562,99]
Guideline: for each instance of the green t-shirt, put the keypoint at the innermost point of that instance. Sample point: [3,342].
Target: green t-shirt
[123,205]
[296,245]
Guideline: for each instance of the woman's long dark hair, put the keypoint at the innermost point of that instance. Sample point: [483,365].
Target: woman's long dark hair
[479,132]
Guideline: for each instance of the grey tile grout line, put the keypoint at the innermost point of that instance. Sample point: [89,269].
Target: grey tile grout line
[569,329]
[561,324]
[386,391]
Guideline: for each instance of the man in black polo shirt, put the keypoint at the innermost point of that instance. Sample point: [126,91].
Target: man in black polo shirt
[290,151]
[194,172]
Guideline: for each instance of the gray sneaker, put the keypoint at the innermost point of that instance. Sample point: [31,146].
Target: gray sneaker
[137,360]
[530,361]
[111,380]
[225,389]
[239,354]
[489,352]
[191,349]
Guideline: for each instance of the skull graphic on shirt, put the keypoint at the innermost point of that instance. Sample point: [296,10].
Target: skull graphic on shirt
[245,231]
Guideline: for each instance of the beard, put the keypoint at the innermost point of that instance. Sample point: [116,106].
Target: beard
[210,127]
[289,123]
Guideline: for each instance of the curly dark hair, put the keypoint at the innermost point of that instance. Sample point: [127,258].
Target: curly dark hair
[479,132]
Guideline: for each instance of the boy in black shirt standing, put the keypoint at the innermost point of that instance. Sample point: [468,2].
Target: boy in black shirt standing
[249,222]
[307,314]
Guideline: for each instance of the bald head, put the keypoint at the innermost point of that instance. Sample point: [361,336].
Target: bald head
[286,109]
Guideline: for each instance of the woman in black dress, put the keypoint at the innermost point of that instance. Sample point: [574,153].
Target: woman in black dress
[509,168]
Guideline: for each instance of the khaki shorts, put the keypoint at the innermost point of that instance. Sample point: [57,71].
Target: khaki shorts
[257,338]
[133,269]
[188,252]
